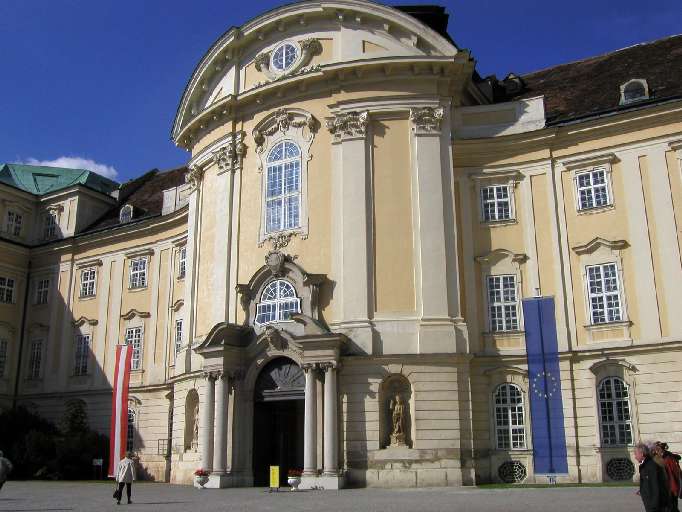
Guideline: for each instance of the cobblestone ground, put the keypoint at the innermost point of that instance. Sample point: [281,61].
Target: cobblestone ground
[89,497]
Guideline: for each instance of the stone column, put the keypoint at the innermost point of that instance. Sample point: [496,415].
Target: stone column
[206,436]
[310,425]
[331,460]
[220,442]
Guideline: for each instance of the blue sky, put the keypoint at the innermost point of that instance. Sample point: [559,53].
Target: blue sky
[100,80]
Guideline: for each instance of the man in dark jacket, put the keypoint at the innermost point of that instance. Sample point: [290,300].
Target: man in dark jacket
[653,486]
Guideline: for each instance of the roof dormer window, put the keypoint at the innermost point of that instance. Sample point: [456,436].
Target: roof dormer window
[126,214]
[634,90]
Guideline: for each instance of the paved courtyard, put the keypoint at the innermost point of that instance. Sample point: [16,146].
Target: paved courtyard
[76,496]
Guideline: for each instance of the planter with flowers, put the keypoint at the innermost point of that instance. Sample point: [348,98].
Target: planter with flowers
[294,478]
[200,478]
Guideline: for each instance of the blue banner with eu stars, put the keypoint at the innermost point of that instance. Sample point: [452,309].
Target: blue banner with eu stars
[546,405]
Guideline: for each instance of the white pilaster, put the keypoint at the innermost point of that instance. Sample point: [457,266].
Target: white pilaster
[351,225]
[207,412]
[436,330]
[331,460]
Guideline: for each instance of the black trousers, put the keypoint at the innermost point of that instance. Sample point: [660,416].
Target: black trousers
[120,490]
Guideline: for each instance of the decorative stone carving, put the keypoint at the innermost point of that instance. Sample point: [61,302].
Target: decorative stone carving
[348,125]
[245,298]
[285,122]
[231,156]
[279,240]
[194,176]
[308,48]
[275,262]
[274,339]
[427,119]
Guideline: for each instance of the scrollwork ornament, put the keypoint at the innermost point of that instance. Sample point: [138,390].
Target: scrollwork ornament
[194,177]
[348,125]
[427,119]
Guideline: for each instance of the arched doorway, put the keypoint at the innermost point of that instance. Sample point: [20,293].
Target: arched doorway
[278,420]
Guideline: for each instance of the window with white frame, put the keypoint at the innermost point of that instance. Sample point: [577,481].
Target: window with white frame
[503,304]
[283,187]
[604,293]
[82,353]
[130,431]
[35,359]
[138,273]
[50,227]
[284,57]
[3,356]
[42,291]
[278,302]
[134,339]
[614,412]
[178,336]
[88,282]
[6,290]
[496,203]
[510,424]
[14,221]
[182,262]
[593,189]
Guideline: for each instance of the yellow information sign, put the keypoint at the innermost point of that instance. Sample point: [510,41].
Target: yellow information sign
[274,477]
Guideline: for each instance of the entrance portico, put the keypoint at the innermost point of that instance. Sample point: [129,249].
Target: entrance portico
[236,363]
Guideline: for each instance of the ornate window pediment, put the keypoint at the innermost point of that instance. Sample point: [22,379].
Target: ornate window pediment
[84,321]
[287,58]
[134,313]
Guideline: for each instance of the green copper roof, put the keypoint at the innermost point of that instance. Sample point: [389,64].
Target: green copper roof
[41,180]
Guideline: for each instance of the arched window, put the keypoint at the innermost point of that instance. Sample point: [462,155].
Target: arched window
[277,302]
[614,412]
[283,187]
[634,90]
[130,441]
[510,423]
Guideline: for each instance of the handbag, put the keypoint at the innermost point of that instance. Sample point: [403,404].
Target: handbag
[116,496]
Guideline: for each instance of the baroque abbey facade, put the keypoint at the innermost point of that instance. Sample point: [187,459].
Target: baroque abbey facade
[337,280]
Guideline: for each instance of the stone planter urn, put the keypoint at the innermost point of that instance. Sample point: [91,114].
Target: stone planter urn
[200,481]
[294,482]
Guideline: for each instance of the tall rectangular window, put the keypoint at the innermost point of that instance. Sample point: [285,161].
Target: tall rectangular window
[3,357]
[502,303]
[14,221]
[593,190]
[138,273]
[88,281]
[182,262]
[604,293]
[178,336]
[50,227]
[42,291]
[6,290]
[496,203]
[35,359]
[82,353]
[134,338]
[283,187]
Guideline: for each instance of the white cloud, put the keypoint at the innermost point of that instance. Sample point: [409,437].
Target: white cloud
[76,162]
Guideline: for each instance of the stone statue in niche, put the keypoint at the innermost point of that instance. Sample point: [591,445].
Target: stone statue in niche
[397,408]
[395,428]
[195,429]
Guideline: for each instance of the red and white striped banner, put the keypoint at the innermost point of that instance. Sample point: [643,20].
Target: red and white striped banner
[119,407]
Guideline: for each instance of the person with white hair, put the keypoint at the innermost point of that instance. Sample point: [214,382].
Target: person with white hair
[5,469]
[653,485]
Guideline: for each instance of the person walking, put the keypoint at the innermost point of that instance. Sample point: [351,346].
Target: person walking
[125,475]
[5,469]
[653,485]
[671,465]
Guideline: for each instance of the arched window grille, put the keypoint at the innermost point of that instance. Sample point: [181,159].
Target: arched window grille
[284,57]
[126,214]
[130,441]
[510,423]
[283,187]
[278,301]
[614,412]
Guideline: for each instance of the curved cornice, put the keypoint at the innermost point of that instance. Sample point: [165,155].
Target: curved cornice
[623,363]
[135,313]
[500,254]
[231,42]
[598,242]
[84,320]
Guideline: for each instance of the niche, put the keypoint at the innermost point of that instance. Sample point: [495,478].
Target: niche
[395,395]
[192,421]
